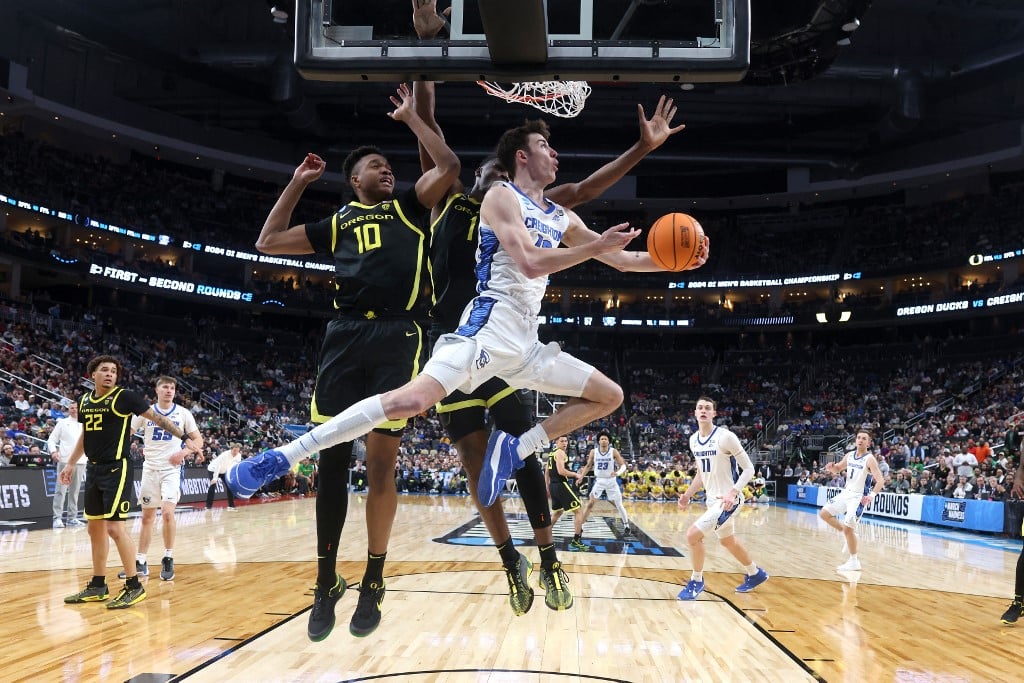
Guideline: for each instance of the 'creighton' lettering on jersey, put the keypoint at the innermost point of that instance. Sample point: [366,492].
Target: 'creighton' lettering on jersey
[857,473]
[498,275]
[721,458]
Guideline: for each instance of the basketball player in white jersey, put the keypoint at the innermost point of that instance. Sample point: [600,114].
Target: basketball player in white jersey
[717,452]
[520,232]
[161,473]
[855,497]
[608,465]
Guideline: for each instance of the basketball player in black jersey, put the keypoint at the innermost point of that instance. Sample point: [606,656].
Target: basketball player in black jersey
[106,414]
[379,244]
[465,416]
[1012,614]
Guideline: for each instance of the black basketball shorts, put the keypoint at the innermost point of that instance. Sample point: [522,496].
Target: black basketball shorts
[564,497]
[108,490]
[360,358]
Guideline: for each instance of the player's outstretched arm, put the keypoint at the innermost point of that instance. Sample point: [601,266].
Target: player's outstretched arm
[579,234]
[500,212]
[424,96]
[434,184]
[654,131]
[276,237]
[425,19]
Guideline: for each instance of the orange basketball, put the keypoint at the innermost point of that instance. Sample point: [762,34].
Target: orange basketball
[674,241]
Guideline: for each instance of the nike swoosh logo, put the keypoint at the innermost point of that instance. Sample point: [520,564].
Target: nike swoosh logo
[410,334]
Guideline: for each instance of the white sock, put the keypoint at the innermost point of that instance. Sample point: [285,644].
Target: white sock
[354,421]
[140,558]
[168,552]
[532,441]
[750,569]
[853,556]
[622,513]
[697,576]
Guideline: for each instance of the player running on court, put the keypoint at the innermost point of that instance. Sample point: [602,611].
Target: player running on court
[565,495]
[453,247]
[861,472]
[105,413]
[718,453]
[161,473]
[520,232]
[374,343]
[608,465]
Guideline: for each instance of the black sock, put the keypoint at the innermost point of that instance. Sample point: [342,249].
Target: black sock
[374,576]
[533,490]
[548,556]
[578,538]
[331,510]
[98,581]
[133,582]
[508,552]
[1018,587]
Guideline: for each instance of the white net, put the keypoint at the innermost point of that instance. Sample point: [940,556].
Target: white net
[560,98]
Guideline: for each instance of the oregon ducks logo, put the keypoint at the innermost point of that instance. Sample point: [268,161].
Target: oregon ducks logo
[124,506]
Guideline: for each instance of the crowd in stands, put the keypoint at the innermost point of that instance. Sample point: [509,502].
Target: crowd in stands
[948,395]
[200,205]
[937,408]
[929,403]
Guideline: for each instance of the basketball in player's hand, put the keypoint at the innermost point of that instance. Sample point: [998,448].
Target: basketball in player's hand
[674,241]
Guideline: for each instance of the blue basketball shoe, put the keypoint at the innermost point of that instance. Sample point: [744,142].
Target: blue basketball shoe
[752,582]
[249,476]
[500,462]
[692,590]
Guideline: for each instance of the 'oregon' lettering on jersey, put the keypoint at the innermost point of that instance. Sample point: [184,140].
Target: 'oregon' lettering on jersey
[453,243]
[379,254]
[106,422]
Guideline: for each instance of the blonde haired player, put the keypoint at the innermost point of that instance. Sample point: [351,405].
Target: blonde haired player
[855,497]
[161,472]
[717,452]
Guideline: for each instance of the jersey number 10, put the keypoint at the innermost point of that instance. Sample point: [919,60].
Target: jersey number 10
[368,236]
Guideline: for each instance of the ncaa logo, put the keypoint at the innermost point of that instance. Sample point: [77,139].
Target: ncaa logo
[483,359]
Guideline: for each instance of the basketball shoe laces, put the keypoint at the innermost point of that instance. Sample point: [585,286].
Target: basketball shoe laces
[367,603]
[265,469]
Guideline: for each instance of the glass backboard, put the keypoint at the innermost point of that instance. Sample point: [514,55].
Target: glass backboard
[686,41]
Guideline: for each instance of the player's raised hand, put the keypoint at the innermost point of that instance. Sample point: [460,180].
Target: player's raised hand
[425,19]
[655,130]
[310,170]
[403,103]
[616,238]
[702,254]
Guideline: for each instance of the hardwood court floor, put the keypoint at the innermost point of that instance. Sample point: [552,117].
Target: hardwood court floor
[925,608]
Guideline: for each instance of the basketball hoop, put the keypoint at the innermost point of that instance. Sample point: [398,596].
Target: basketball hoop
[560,98]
